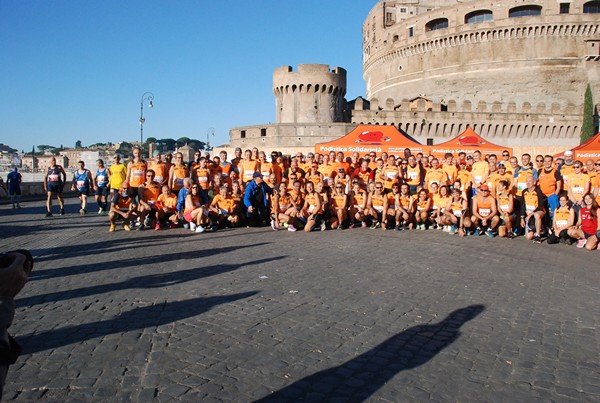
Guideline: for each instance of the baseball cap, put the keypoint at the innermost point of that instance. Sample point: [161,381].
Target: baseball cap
[257,175]
[310,155]
[469,157]
[462,162]
[501,165]
[568,152]
[238,149]
[484,187]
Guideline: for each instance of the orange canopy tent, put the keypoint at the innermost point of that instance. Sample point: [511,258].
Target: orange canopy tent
[587,150]
[468,142]
[371,138]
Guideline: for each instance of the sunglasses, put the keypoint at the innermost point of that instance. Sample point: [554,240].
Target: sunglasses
[597,164]
[539,160]
[339,187]
[378,187]
[506,155]
[576,166]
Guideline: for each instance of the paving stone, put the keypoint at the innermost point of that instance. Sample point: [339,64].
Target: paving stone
[168,315]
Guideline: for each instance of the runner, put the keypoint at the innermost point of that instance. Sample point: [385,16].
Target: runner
[222,209]
[457,213]
[485,214]
[136,172]
[166,209]
[201,174]
[392,208]
[390,174]
[312,208]
[178,173]
[577,186]
[358,202]
[226,167]
[480,171]
[465,178]
[161,174]
[122,207]
[550,183]
[436,175]
[449,166]
[364,174]
[248,167]
[54,181]
[567,169]
[414,174]
[424,206]
[407,207]
[195,209]
[440,201]
[564,218]
[375,205]
[314,175]
[521,173]
[101,182]
[337,210]
[283,211]
[506,207]
[532,210]
[82,183]
[117,173]
[256,200]
[13,182]
[587,229]
[148,194]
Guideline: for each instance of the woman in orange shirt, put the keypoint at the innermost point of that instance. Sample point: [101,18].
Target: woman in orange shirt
[358,203]
[564,218]
[337,210]
[424,204]
[457,212]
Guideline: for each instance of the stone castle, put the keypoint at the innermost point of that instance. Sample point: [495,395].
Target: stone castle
[516,72]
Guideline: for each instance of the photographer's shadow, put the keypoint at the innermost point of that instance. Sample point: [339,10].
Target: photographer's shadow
[357,379]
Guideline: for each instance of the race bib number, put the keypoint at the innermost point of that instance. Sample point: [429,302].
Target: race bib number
[530,209]
[392,175]
[457,213]
[521,186]
[504,208]
[53,178]
[101,178]
[138,173]
[203,179]
[379,209]
[413,175]
[80,184]
[578,190]
[158,179]
[560,224]
[477,179]
[484,212]
[179,181]
[311,208]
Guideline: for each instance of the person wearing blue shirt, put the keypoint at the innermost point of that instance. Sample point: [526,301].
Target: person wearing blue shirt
[13,180]
[256,200]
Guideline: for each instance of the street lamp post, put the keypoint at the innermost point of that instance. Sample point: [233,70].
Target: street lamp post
[209,132]
[146,96]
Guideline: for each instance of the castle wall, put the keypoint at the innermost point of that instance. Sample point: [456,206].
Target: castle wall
[518,63]
[312,94]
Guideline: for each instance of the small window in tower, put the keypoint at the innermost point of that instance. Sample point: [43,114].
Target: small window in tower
[243,134]
[429,142]
[411,31]
[263,132]
[564,8]
[403,10]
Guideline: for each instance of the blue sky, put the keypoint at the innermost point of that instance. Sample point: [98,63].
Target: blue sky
[76,70]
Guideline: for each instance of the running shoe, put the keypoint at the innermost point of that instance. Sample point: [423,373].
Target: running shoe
[186,225]
[490,233]
[48,214]
[374,225]
[126,227]
[323,226]
[352,226]
[291,228]
[140,227]
[477,232]
[147,221]
[157,226]
[404,227]
[397,228]
[100,211]
[581,243]
[274,226]
[285,225]
[200,229]
[214,227]
[193,226]
[363,224]
[112,228]
[172,225]
[452,230]
[62,211]
[340,227]
[537,239]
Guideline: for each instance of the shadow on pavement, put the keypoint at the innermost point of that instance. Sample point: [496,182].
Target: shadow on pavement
[356,380]
[138,318]
[129,263]
[142,282]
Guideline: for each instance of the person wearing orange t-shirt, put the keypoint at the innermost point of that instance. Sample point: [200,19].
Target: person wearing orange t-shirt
[480,170]
[375,206]
[596,185]
[436,175]
[222,209]
[550,182]
[449,166]
[389,174]
[166,207]
[337,210]
[178,173]
[485,214]
[201,174]
[506,209]
[327,170]
[424,206]
[148,194]
[358,203]
[564,218]
[248,167]
[457,213]
[312,208]
[578,185]
[161,174]
[136,171]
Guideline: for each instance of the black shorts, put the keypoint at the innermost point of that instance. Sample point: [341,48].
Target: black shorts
[55,188]
[133,193]
[102,191]
[14,191]
[84,192]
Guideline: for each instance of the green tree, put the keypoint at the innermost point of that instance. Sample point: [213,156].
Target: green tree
[167,144]
[44,147]
[182,141]
[587,128]
[151,140]
[78,144]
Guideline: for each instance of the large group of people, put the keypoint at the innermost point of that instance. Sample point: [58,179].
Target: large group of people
[540,198]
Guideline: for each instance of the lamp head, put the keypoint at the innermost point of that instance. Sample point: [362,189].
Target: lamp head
[151,105]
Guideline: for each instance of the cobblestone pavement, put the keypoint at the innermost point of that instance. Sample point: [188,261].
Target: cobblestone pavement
[249,314]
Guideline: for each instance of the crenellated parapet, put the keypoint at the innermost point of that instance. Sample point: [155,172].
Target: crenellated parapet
[312,94]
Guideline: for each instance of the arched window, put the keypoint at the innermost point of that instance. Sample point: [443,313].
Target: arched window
[591,7]
[438,23]
[524,11]
[479,16]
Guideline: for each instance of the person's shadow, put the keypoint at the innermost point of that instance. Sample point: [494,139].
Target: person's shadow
[357,379]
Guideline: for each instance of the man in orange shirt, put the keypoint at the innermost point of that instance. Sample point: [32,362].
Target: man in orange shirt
[166,206]
[485,213]
[161,175]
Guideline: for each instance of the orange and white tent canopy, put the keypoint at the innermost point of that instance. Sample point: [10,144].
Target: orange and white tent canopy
[371,138]
[587,150]
[468,142]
